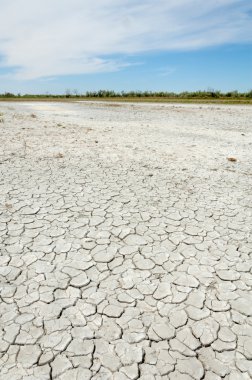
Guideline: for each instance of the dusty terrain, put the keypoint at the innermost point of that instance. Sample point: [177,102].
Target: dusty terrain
[126,241]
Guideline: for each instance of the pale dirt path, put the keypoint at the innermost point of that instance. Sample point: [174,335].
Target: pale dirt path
[125,241]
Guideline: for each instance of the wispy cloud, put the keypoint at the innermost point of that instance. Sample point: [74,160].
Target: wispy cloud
[45,38]
[165,71]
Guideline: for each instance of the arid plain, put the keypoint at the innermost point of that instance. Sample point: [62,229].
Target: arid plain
[126,244]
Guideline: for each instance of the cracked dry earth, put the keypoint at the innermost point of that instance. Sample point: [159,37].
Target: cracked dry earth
[125,242]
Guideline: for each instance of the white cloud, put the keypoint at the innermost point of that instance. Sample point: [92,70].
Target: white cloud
[43,38]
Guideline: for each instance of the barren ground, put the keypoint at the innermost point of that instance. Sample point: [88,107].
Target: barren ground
[125,241]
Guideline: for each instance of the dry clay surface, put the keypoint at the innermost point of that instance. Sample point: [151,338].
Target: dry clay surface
[125,242]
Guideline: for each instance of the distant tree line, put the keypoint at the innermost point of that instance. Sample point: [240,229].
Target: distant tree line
[209,94]
[164,94]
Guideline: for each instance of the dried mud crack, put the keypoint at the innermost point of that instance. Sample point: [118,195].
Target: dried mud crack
[125,240]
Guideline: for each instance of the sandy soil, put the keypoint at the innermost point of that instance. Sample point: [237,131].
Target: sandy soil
[126,243]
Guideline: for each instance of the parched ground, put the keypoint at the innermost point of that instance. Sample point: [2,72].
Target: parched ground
[125,242]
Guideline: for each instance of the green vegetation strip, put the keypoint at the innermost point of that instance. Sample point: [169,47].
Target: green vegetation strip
[233,97]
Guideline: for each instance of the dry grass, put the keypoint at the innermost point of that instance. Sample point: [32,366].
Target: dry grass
[232,159]
[59,155]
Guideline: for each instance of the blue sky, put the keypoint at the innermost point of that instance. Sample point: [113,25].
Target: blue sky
[170,45]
